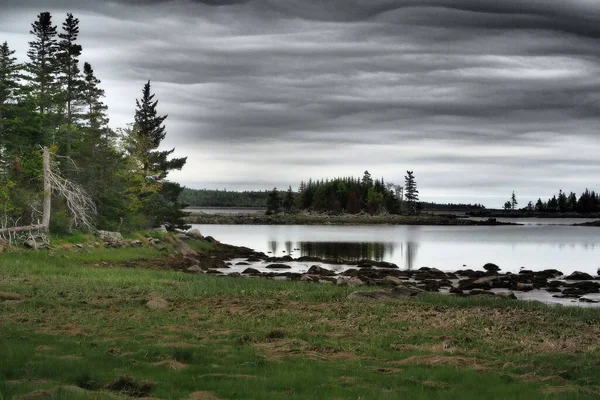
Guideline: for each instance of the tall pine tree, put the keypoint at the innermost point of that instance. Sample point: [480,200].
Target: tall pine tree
[9,71]
[69,76]
[163,207]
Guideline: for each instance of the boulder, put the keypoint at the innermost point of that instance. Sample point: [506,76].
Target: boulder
[392,281]
[524,287]
[579,276]
[506,295]
[278,266]
[194,269]
[242,263]
[352,281]
[251,271]
[36,242]
[316,270]
[489,267]
[194,234]
[108,236]
[157,303]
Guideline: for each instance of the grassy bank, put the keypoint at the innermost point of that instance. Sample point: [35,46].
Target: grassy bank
[325,219]
[75,325]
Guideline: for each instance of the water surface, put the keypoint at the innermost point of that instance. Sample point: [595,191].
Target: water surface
[448,248]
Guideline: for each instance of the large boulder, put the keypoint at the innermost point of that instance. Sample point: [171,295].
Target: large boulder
[579,276]
[352,281]
[157,303]
[278,266]
[489,267]
[251,271]
[194,234]
[316,270]
[111,237]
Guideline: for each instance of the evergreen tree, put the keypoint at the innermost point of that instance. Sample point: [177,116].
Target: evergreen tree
[410,188]
[288,202]
[69,72]
[273,202]
[154,165]
[539,206]
[9,71]
[562,201]
[513,200]
[42,65]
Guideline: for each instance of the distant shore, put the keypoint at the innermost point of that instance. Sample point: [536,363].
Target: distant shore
[344,219]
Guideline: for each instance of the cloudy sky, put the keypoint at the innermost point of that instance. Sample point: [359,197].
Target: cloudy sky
[478,97]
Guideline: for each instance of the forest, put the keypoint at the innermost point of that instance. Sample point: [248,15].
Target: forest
[55,101]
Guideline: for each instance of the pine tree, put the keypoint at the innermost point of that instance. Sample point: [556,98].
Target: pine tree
[513,200]
[69,77]
[288,202]
[410,187]
[42,65]
[161,205]
[9,71]
[273,202]
[149,132]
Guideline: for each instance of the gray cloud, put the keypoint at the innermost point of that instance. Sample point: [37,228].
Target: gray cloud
[479,97]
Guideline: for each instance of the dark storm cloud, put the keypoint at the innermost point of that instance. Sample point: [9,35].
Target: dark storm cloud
[479,97]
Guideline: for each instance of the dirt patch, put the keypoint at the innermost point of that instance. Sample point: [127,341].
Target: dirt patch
[37,395]
[6,296]
[456,361]
[71,357]
[171,364]
[128,386]
[277,349]
[532,376]
[387,371]
[203,396]
[43,348]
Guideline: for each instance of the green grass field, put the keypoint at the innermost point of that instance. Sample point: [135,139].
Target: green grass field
[74,325]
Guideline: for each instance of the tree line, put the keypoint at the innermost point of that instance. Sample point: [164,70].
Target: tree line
[349,195]
[588,202]
[53,101]
[223,198]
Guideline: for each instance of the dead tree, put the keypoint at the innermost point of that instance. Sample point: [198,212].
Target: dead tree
[80,205]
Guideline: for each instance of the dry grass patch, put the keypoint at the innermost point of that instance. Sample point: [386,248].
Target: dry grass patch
[204,396]
[456,361]
[278,349]
[171,364]
[6,296]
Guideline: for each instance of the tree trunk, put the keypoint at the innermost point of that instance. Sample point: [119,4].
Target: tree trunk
[47,191]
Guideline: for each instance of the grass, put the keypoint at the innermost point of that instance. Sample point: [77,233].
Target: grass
[81,331]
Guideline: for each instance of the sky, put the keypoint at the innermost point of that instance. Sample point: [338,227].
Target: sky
[477,97]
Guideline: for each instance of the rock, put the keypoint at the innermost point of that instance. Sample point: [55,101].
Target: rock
[194,234]
[352,281]
[309,278]
[506,295]
[316,270]
[394,294]
[157,303]
[251,271]
[194,269]
[108,236]
[162,229]
[278,266]
[136,243]
[524,287]
[242,263]
[214,272]
[392,280]
[36,242]
[579,276]
[309,259]
[587,300]
[456,290]
[489,267]
[185,249]
[182,236]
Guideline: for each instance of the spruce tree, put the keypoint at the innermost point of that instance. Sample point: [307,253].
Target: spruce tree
[69,72]
[161,206]
[9,71]
[42,65]
[410,187]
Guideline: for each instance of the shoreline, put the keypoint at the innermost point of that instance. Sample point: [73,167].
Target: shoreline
[345,219]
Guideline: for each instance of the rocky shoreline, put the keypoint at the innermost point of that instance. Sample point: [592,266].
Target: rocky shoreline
[487,282]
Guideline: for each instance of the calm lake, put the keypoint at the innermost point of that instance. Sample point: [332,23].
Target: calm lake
[448,248]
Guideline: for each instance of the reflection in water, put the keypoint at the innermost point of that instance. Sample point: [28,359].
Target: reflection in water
[273,246]
[411,254]
[351,251]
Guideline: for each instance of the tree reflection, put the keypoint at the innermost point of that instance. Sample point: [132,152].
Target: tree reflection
[350,251]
